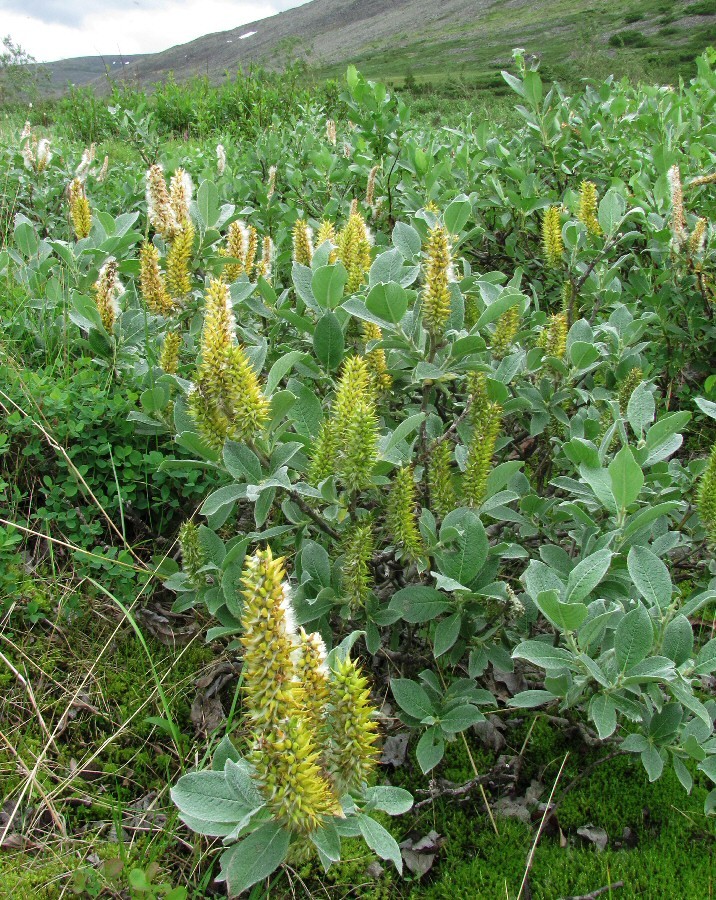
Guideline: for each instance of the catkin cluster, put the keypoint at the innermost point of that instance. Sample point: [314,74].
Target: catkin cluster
[168,210]
[314,730]
[226,400]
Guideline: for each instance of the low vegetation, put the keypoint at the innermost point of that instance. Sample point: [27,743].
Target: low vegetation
[359,493]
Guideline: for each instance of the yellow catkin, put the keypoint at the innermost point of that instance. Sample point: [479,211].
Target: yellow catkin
[587,212]
[252,247]
[236,244]
[438,275]
[169,357]
[178,261]
[697,238]
[151,283]
[264,267]
[353,245]
[376,357]
[312,675]
[80,211]
[227,400]
[108,289]
[302,243]
[702,179]
[326,232]
[552,237]
[286,750]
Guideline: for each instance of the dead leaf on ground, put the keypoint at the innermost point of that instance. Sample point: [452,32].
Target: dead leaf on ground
[395,749]
[594,835]
[419,852]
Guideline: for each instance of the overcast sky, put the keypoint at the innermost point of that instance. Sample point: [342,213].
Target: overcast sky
[57,29]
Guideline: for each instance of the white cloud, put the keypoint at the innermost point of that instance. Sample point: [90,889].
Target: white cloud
[104,29]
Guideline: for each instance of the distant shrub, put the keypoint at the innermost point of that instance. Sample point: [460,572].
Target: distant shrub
[632,17]
[628,39]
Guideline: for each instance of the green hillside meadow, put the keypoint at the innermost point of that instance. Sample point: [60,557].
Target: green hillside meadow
[358,472]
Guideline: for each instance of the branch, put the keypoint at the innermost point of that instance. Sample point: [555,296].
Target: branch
[592,895]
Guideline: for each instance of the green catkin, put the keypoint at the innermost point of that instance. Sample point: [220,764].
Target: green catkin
[553,338]
[355,574]
[627,388]
[400,514]
[552,237]
[707,497]
[352,755]
[587,212]
[440,487]
[438,274]
[323,458]
[356,424]
[192,553]
[487,418]
[472,311]
[506,328]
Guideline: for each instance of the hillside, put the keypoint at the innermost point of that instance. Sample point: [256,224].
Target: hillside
[454,37]
[84,69]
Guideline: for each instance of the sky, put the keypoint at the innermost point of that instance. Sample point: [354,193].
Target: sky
[59,29]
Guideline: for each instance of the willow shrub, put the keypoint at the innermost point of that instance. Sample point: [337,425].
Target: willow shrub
[437,373]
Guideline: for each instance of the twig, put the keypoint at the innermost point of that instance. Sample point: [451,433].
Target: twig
[304,507]
[592,895]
